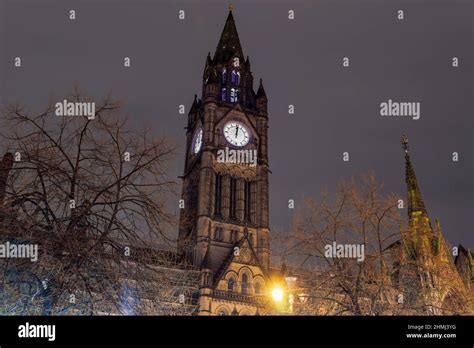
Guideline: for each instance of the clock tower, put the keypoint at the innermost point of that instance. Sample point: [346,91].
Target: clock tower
[224,224]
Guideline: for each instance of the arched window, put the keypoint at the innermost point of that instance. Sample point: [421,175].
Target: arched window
[219,234]
[234,95]
[223,312]
[224,94]
[224,75]
[258,288]
[245,284]
[235,77]
[230,284]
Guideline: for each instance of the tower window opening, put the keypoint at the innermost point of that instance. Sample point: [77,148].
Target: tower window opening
[224,75]
[219,234]
[224,94]
[230,284]
[235,78]
[234,95]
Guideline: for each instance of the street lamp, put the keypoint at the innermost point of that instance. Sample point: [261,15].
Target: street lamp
[291,283]
[277,294]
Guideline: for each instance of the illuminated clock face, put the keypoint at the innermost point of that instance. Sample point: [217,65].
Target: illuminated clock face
[197,141]
[236,134]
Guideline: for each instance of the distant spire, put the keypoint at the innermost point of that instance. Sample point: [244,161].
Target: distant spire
[404,143]
[229,43]
[415,200]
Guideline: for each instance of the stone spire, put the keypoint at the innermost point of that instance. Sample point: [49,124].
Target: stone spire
[229,43]
[416,205]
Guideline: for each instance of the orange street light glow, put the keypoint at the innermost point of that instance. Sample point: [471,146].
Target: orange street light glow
[277,294]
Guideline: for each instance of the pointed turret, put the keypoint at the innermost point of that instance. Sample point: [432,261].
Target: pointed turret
[261,100]
[416,205]
[208,67]
[261,91]
[229,43]
[194,107]
[247,64]
[209,59]
[235,312]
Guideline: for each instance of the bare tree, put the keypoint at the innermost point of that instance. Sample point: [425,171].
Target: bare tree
[87,192]
[405,269]
[359,215]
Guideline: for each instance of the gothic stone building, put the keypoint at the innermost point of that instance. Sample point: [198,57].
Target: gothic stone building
[421,278]
[426,271]
[224,226]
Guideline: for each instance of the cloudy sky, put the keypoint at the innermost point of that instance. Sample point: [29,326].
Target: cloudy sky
[336,109]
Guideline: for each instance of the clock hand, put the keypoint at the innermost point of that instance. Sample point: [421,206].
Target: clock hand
[236,131]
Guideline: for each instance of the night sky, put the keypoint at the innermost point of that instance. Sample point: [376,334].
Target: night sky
[300,61]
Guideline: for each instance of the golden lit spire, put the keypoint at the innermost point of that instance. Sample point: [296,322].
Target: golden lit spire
[404,142]
[416,205]
[231,7]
